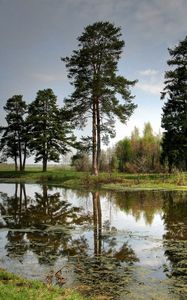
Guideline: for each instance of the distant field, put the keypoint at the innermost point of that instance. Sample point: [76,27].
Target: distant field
[29,167]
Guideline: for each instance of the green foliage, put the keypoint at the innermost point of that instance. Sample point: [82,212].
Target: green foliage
[92,70]
[49,128]
[13,142]
[124,153]
[81,161]
[174,118]
[139,154]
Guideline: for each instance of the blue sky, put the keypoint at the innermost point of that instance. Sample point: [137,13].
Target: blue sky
[34,34]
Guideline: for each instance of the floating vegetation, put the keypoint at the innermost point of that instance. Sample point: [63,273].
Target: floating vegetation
[125,245]
[102,276]
[176,251]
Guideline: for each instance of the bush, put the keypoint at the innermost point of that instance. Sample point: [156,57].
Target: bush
[82,163]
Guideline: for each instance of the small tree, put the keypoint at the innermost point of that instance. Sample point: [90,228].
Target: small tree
[124,153]
[13,142]
[93,71]
[174,117]
[49,128]
[150,147]
[81,161]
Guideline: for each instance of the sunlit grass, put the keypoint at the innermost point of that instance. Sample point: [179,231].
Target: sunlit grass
[59,175]
[13,287]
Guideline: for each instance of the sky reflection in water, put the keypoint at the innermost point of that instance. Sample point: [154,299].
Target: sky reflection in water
[104,241]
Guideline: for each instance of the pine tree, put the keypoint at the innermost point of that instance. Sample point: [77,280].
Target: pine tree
[13,140]
[93,73]
[49,128]
[174,118]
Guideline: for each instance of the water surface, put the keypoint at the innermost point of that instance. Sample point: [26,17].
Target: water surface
[124,245]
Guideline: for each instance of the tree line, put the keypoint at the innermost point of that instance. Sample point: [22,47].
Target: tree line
[135,154]
[101,95]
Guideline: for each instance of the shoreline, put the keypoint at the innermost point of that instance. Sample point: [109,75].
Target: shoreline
[105,181]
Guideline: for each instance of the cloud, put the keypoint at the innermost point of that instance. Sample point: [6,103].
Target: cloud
[149,72]
[48,77]
[160,19]
[156,20]
[151,81]
[152,88]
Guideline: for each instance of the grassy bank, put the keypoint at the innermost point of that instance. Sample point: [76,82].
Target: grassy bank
[13,287]
[114,181]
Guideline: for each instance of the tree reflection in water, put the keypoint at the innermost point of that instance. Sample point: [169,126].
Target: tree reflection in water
[41,225]
[140,203]
[97,223]
[101,261]
[175,238]
[106,271]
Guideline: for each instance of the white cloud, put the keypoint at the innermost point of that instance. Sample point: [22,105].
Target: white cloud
[151,81]
[152,88]
[149,72]
[48,77]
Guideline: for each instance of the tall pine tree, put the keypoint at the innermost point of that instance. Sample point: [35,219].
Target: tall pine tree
[174,118]
[93,73]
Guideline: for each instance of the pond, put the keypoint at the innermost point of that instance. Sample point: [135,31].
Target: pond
[123,245]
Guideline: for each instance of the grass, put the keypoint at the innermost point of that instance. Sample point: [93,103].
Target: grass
[13,287]
[115,181]
[35,174]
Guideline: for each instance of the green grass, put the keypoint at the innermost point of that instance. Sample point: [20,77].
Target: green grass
[115,181]
[145,186]
[13,287]
[35,174]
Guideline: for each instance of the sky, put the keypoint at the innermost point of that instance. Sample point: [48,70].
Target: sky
[35,34]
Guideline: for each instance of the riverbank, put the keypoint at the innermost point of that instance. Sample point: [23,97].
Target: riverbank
[13,287]
[111,181]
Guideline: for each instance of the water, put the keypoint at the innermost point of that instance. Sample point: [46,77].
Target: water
[124,245]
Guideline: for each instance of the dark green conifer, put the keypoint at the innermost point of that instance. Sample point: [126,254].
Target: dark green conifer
[13,142]
[174,117]
[49,128]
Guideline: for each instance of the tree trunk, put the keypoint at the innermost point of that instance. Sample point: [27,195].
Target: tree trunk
[44,163]
[20,157]
[98,135]
[97,218]
[94,141]
[16,163]
[45,157]
[24,156]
